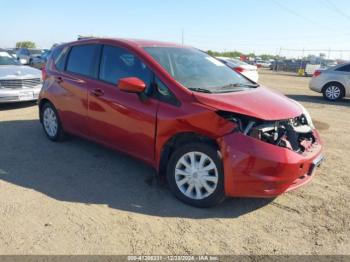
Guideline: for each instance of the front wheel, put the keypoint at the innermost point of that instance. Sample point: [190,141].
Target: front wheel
[195,175]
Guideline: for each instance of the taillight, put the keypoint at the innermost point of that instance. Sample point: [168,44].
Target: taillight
[316,73]
[43,73]
[239,69]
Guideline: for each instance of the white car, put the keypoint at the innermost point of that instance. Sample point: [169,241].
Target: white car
[17,82]
[249,71]
[264,64]
[333,83]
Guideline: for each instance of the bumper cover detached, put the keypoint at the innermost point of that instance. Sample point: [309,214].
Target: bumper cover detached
[254,168]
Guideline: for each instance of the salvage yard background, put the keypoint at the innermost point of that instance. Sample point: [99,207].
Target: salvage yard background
[77,197]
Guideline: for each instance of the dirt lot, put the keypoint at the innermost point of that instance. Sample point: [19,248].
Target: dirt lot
[77,197]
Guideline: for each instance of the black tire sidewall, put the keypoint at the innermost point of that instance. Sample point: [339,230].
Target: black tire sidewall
[59,133]
[218,195]
[333,84]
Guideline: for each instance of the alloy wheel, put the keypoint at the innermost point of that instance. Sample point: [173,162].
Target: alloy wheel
[333,92]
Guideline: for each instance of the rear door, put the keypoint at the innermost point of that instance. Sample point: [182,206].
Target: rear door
[344,72]
[119,119]
[80,71]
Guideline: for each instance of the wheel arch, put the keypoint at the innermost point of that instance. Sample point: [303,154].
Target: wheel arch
[177,141]
[333,82]
[42,102]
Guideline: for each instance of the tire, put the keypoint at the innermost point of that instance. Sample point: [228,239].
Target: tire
[51,122]
[333,91]
[187,183]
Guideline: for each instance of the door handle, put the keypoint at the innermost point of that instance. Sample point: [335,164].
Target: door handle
[59,79]
[97,92]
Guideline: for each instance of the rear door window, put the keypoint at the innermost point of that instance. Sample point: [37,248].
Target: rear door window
[345,68]
[82,60]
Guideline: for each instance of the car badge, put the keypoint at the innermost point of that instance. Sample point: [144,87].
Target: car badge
[18,73]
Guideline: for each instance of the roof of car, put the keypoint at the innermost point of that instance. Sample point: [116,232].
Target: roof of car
[133,42]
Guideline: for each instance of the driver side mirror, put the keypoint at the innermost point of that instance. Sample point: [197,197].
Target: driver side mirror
[131,85]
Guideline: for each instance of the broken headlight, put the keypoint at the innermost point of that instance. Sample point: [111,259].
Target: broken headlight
[306,114]
[295,134]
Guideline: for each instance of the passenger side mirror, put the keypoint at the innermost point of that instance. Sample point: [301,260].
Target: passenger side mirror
[131,85]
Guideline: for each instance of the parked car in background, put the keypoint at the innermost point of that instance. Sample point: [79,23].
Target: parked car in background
[333,83]
[211,131]
[250,71]
[12,52]
[17,82]
[26,55]
[263,63]
[40,61]
[310,69]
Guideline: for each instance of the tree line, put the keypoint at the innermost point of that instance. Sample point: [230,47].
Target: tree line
[233,54]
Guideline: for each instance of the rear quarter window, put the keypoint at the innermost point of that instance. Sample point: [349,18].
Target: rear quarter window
[58,56]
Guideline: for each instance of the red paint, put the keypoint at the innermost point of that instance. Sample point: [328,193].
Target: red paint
[124,121]
[257,169]
[131,85]
[260,102]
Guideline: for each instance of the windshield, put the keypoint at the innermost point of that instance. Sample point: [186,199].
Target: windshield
[7,59]
[198,71]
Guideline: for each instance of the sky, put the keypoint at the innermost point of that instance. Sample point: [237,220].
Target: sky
[260,26]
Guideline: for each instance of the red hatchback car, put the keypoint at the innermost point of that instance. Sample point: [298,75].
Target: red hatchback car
[210,130]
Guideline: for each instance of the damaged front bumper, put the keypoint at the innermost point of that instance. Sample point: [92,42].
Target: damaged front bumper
[254,168]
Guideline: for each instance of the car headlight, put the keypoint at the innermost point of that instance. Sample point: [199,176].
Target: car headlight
[306,114]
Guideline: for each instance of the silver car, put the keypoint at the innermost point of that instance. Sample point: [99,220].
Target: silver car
[26,55]
[17,82]
[333,83]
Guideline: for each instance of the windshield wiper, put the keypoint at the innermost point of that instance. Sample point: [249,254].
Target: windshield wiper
[234,87]
[237,85]
[198,89]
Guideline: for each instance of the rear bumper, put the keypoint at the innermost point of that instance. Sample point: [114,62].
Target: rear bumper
[254,168]
[19,95]
[316,85]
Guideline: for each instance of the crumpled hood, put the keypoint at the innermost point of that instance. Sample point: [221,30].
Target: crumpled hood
[18,72]
[259,102]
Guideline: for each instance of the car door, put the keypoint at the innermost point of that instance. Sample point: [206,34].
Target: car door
[119,119]
[79,73]
[344,73]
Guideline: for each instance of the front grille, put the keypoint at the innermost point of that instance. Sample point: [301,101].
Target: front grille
[19,83]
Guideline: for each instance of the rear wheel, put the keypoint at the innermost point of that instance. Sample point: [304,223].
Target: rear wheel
[333,91]
[51,122]
[195,175]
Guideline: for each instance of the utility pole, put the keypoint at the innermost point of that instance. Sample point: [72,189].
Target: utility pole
[276,66]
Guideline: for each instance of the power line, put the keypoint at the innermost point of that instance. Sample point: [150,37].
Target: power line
[337,10]
[291,11]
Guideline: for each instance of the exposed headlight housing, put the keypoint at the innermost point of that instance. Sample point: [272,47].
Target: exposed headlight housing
[306,114]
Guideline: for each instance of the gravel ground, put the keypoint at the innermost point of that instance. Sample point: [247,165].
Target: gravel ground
[77,197]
